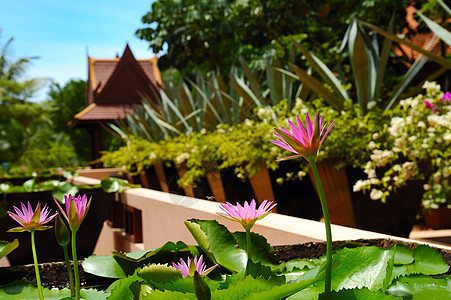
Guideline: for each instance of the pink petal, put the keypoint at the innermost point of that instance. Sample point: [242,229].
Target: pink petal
[309,127]
[283,145]
[296,132]
[288,157]
[326,132]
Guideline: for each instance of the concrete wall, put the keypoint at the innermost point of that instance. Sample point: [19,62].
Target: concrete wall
[163,217]
[101,173]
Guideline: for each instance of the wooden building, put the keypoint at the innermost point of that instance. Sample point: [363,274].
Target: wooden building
[114,86]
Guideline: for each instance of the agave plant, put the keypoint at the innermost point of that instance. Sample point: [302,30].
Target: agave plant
[368,64]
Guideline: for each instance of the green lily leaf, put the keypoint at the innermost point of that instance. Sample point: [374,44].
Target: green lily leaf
[259,270]
[167,295]
[104,266]
[23,289]
[201,289]
[29,185]
[427,261]
[110,185]
[298,263]
[159,273]
[359,294]
[218,244]
[93,294]
[285,290]
[421,287]
[261,250]
[168,253]
[125,288]
[403,255]
[7,247]
[244,287]
[361,267]
[185,285]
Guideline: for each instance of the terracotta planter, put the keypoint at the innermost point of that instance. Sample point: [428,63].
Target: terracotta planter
[261,185]
[336,189]
[439,218]
[181,172]
[216,186]
[46,246]
[159,170]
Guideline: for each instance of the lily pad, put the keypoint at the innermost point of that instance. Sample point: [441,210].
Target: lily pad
[7,247]
[218,244]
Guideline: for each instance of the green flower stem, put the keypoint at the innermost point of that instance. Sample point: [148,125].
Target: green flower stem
[69,271]
[322,198]
[75,260]
[36,266]
[248,244]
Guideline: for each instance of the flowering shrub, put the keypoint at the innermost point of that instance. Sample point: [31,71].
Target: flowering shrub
[415,145]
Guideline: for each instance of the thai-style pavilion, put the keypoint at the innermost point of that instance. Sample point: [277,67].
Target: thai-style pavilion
[114,86]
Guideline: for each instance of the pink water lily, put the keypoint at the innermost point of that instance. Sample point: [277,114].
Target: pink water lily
[302,140]
[76,210]
[247,214]
[201,267]
[31,220]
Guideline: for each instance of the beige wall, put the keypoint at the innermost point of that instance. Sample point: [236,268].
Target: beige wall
[163,217]
[101,173]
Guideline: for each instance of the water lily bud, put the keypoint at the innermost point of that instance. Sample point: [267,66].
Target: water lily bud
[61,232]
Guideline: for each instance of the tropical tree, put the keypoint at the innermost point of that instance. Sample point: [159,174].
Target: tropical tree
[65,101]
[210,35]
[17,115]
[12,88]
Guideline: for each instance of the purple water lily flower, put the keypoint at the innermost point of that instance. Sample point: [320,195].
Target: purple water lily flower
[302,140]
[247,214]
[201,267]
[31,220]
[76,210]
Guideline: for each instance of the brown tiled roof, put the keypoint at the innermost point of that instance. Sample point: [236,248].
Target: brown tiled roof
[115,85]
[94,112]
[420,39]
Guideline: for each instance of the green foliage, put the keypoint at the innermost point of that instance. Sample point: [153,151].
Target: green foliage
[217,243]
[358,273]
[12,88]
[207,35]
[48,149]
[66,101]
[421,287]
[414,144]
[7,247]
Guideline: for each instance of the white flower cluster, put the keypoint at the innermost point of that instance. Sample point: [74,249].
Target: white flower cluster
[381,157]
[265,113]
[417,140]
[432,88]
[181,158]
[299,107]
[152,156]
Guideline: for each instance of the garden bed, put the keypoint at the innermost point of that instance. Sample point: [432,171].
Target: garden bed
[54,275]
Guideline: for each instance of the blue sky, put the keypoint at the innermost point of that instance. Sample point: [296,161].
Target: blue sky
[61,32]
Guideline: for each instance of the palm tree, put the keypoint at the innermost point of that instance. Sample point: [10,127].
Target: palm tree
[15,110]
